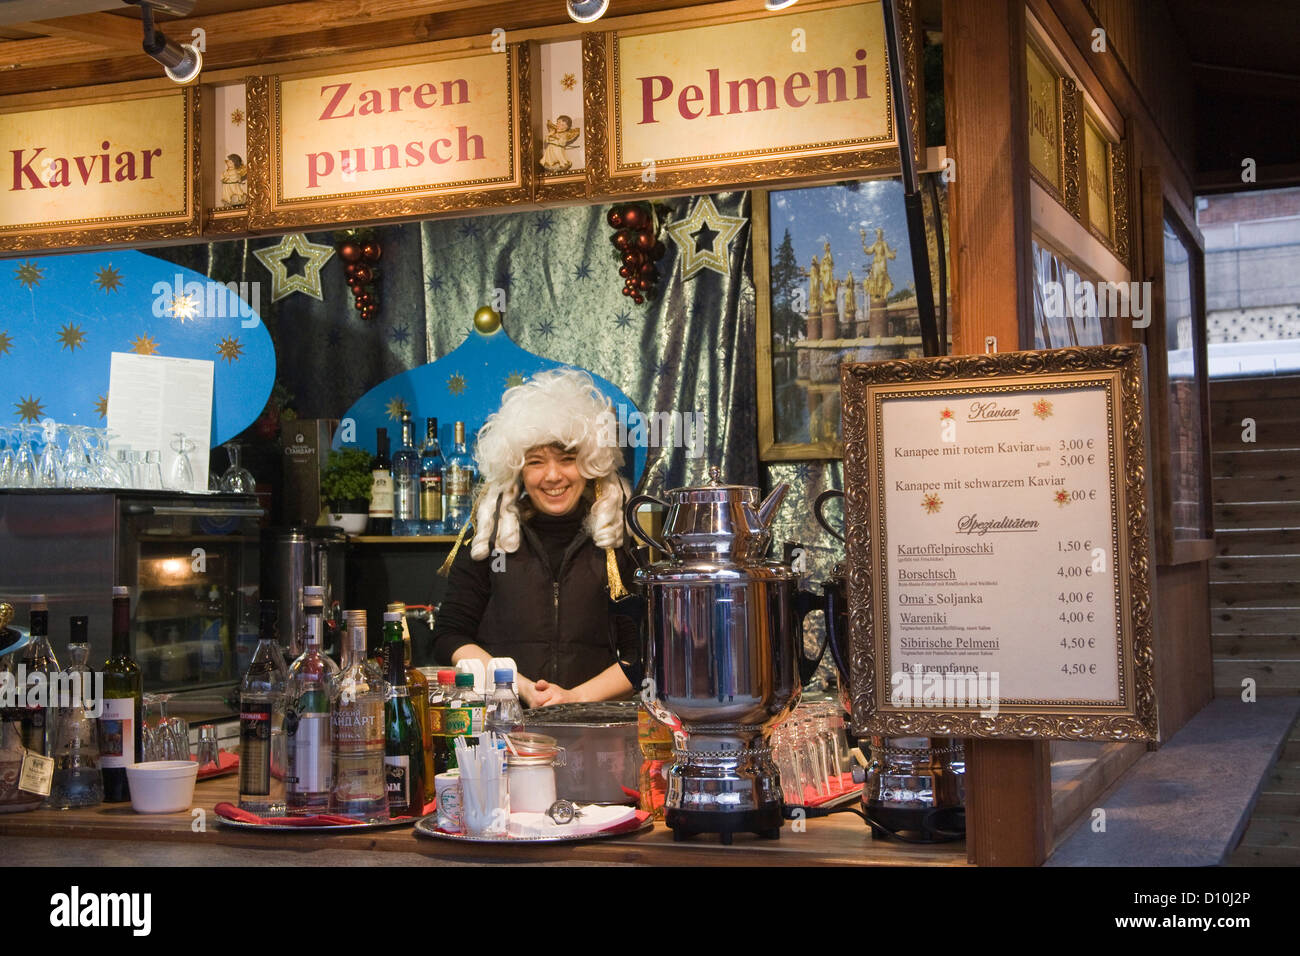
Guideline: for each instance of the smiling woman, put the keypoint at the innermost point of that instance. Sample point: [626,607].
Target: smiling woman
[542,579]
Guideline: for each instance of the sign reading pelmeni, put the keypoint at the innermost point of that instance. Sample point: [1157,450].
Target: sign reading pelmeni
[124,169]
[393,140]
[999,545]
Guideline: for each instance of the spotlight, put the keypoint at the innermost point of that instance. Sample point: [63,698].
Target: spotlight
[586,11]
[773,5]
[181,63]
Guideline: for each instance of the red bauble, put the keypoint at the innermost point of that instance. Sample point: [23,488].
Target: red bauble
[622,241]
[363,274]
[638,298]
[645,241]
[350,251]
[643,285]
[626,290]
[630,259]
[350,270]
[634,217]
[371,252]
[648,271]
[625,272]
[615,218]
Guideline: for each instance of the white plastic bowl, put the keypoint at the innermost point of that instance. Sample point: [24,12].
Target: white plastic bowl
[162,786]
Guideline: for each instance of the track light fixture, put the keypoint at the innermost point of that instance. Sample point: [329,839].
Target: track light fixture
[181,62]
[586,11]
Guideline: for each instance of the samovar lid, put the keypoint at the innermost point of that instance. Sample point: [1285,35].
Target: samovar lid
[715,490]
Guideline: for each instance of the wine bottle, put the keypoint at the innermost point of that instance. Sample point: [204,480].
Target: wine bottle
[122,719]
[381,487]
[403,753]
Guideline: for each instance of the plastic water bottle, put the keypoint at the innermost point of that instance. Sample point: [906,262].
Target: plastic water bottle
[504,713]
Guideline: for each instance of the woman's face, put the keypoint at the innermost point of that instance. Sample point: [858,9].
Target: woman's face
[552,480]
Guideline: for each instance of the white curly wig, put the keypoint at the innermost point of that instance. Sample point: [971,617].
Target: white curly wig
[560,407]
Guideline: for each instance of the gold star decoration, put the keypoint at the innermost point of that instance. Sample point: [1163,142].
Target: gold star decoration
[308,281]
[108,279]
[569,81]
[29,275]
[514,378]
[704,238]
[30,409]
[101,406]
[931,503]
[456,384]
[1062,498]
[395,408]
[183,307]
[1043,409]
[144,345]
[71,337]
[5,343]
[237,117]
[230,349]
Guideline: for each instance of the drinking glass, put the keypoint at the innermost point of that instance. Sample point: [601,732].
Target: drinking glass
[182,475]
[49,472]
[209,751]
[237,479]
[6,455]
[104,469]
[125,467]
[169,737]
[24,473]
[150,476]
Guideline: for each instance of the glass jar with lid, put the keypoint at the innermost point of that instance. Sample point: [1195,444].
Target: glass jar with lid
[531,760]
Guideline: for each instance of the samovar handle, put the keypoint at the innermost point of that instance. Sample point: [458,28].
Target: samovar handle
[633,507]
[819,504]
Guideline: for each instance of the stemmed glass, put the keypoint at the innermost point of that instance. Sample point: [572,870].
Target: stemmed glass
[6,455]
[107,473]
[182,478]
[24,473]
[49,471]
[237,479]
[76,463]
[169,737]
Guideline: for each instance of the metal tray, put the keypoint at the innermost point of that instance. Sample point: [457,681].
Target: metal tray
[328,828]
[426,828]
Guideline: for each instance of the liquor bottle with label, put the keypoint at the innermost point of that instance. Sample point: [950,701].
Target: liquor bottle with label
[431,480]
[40,716]
[464,716]
[406,482]
[261,721]
[381,487]
[417,685]
[121,722]
[308,782]
[439,695]
[403,754]
[357,728]
[458,483]
[77,778]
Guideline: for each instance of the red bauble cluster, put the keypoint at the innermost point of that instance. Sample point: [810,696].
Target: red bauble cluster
[638,249]
[362,270]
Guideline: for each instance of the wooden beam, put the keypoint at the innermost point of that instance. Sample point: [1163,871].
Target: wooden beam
[97,29]
[1008,795]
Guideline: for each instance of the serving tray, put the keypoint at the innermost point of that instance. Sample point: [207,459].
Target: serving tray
[428,828]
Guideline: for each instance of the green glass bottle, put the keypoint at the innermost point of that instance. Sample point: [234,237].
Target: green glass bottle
[403,743]
[122,719]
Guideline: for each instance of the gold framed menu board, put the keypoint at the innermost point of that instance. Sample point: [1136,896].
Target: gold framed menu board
[999,545]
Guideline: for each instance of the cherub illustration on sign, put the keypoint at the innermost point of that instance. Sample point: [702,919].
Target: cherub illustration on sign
[560,136]
[234,181]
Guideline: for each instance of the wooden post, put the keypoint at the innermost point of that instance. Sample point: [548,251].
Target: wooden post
[1008,782]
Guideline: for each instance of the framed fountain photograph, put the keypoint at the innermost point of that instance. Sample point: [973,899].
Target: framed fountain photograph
[833,269]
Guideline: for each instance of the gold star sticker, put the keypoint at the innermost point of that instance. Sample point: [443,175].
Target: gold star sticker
[704,238]
[183,307]
[30,409]
[5,343]
[29,275]
[514,378]
[569,81]
[237,117]
[144,345]
[108,279]
[71,337]
[456,384]
[230,349]
[395,408]
[101,406]
[283,284]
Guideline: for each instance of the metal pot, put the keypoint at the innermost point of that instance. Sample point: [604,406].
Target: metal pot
[722,655]
[293,558]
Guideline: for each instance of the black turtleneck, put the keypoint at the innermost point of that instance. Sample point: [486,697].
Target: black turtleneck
[556,532]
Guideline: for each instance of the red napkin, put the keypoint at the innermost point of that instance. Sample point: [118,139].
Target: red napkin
[228,763]
[231,812]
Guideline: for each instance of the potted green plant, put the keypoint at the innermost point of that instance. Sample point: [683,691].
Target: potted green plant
[345,486]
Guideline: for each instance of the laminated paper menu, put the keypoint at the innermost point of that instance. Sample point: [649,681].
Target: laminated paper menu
[999,546]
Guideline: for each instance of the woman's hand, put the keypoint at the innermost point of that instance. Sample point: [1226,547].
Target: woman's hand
[527,691]
[546,694]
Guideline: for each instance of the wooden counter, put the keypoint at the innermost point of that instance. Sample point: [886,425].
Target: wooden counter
[840,840]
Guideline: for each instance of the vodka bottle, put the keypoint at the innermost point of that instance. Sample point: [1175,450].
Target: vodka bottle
[431,464]
[308,779]
[77,778]
[261,721]
[458,483]
[406,482]
[39,722]
[121,722]
[357,731]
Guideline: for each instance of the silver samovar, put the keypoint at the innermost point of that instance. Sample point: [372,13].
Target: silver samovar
[722,657]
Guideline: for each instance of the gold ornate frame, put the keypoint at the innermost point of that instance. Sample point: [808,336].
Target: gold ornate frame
[268,212]
[1121,369]
[183,223]
[802,165]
